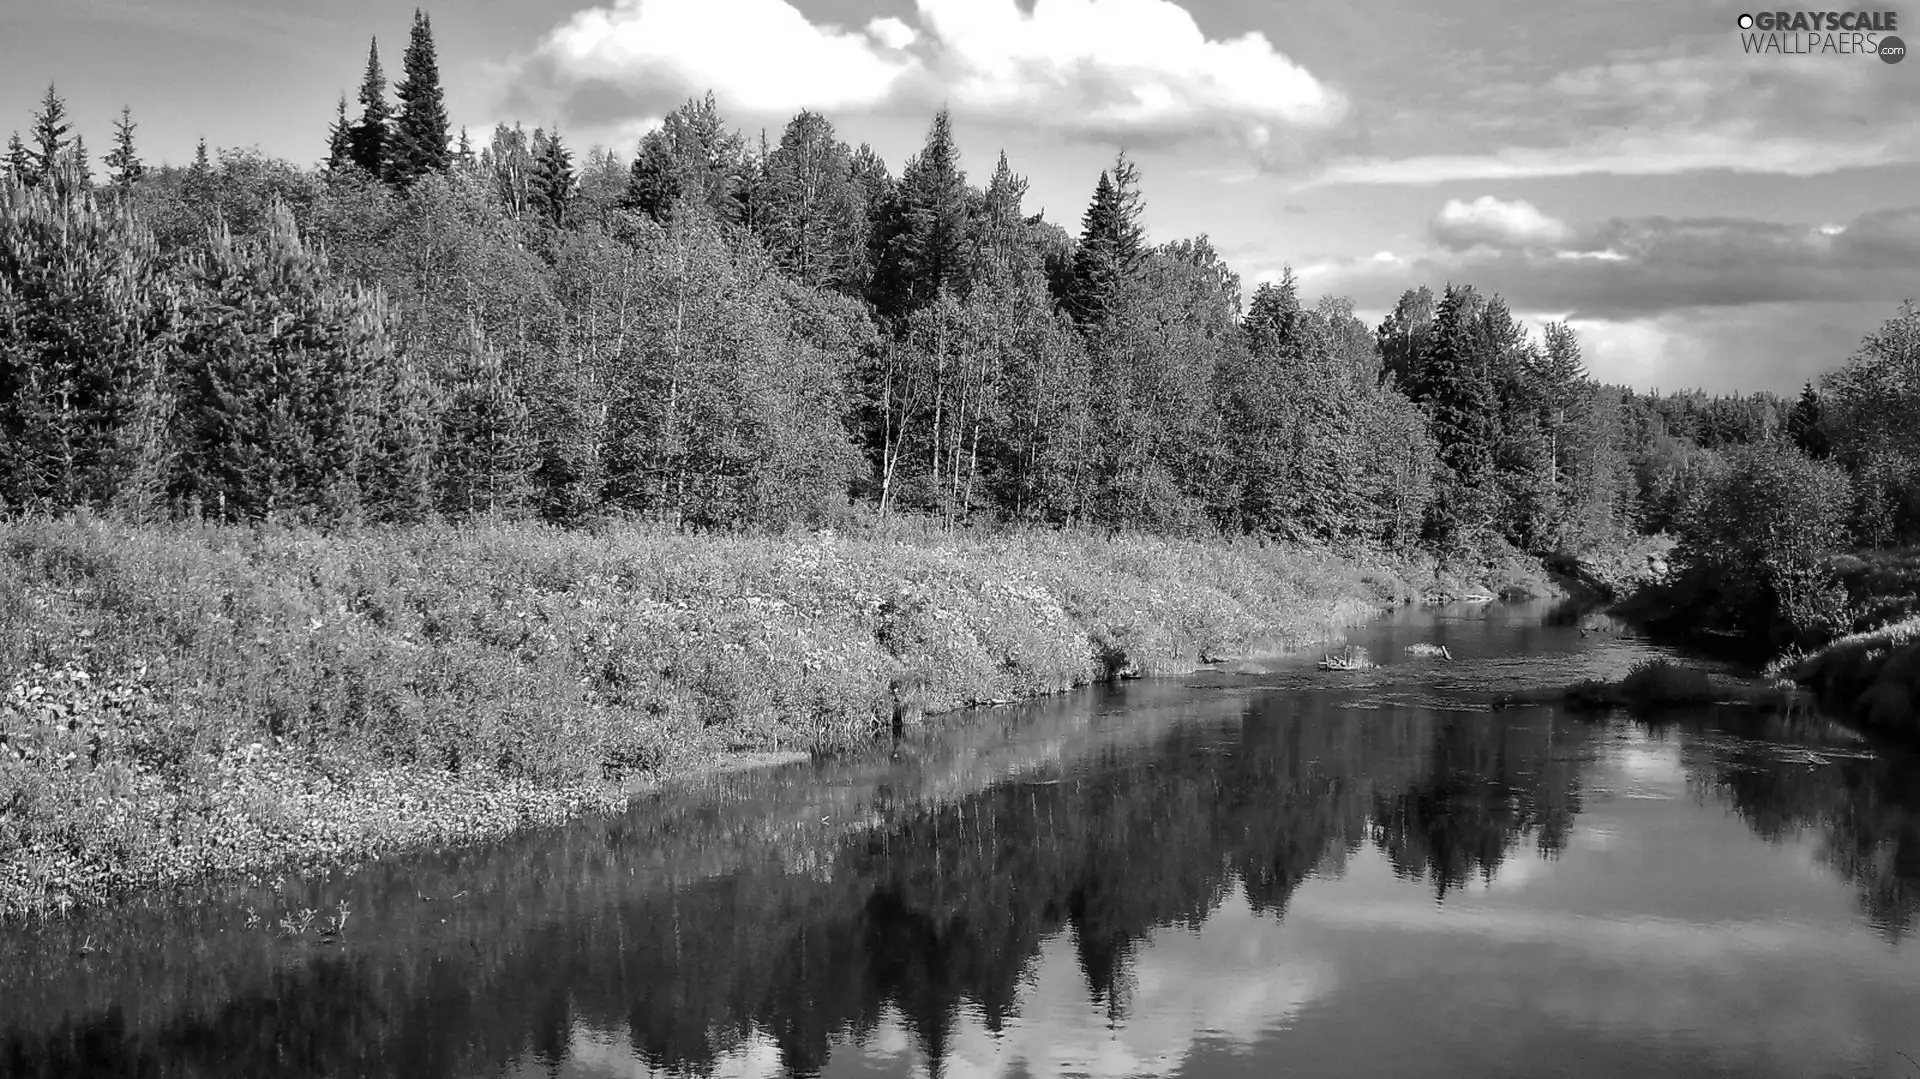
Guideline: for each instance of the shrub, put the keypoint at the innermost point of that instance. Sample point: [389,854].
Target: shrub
[1757,536]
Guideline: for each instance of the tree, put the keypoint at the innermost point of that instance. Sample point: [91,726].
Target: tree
[510,159]
[86,323]
[418,144]
[49,135]
[368,141]
[124,165]
[340,138]
[1001,241]
[551,183]
[1871,410]
[292,397]
[923,228]
[1453,379]
[1403,334]
[690,159]
[816,218]
[19,163]
[1111,242]
[487,448]
[1756,538]
[1804,426]
[78,169]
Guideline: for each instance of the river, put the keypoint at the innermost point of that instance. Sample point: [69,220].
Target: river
[1269,871]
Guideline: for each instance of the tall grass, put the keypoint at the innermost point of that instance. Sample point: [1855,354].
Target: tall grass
[193,699]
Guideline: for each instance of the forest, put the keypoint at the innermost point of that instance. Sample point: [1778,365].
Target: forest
[724,334]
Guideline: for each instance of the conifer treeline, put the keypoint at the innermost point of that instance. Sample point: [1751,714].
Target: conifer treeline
[726,334]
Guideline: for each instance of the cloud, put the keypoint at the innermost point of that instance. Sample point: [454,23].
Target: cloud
[1235,979]
[1138,70]
[1487,220]
[1628,268]
[763,55]
[1664,114]
[1717,303]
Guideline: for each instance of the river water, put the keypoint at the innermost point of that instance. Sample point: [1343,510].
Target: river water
[1274,871]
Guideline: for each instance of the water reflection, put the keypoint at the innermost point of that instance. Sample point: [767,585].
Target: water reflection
[1368,875]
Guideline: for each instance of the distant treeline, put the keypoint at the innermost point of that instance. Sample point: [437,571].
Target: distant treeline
[733,334]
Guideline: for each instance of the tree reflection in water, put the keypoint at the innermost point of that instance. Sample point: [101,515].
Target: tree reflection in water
[925,912]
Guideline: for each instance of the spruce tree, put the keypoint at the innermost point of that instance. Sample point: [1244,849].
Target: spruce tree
[922,246]
[123,164]
[1804,424]
[50,141]
[339,138]
[369,137]
[1454,382]
[78,170]
[551,186]
[1112,242]
[419,138]
[463,154]
[19,161]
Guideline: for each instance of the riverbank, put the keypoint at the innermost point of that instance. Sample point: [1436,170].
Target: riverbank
[196,701]
[1871,679]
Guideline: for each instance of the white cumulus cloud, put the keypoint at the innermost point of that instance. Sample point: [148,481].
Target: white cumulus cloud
[759,54]
[1495,223]
[1139,70]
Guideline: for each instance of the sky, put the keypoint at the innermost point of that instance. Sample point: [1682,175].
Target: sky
[1705,217]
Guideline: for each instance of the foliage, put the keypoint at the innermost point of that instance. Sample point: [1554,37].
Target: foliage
[279,670]
[88,319]
[418,141]
[1757,536]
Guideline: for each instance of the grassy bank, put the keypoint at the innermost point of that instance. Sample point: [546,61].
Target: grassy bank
[1870,678]
[195,700]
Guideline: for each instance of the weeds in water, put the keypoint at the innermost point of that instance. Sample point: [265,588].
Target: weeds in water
[1661,681]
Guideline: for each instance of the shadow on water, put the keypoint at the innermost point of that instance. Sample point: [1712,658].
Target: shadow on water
[915,894]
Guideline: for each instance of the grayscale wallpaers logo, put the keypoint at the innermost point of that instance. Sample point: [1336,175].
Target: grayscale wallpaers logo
[1807,33]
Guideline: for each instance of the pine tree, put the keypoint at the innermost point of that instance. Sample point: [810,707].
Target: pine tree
[1112,242]
[339,138]
[124,165]
[551,186]
[1000,243]
[369,137]
[924,228]
[49,134]
[291,397]
[1804,424]
[463,154]
[78,170]
[200,189]
[86,323]
[419,138]
[19,163]
[1455,384]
